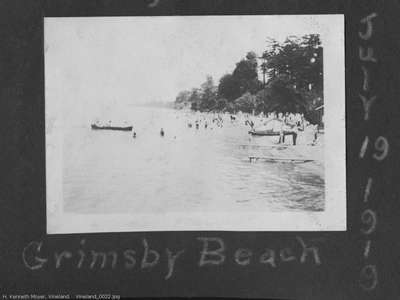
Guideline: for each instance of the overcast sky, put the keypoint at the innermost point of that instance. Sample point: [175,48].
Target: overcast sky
[140,59]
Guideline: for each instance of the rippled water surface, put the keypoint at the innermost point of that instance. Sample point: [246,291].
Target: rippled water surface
[186,170]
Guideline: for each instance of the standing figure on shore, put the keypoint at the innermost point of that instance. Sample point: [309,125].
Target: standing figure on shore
[281,125]
[315,134]
[294,135]
[162,132]
[134,134]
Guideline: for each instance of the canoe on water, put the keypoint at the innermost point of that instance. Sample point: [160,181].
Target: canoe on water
[126,128]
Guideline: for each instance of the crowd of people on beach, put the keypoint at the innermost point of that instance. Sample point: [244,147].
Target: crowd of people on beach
[203,121]
[279,123]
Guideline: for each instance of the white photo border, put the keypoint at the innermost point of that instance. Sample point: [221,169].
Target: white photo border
[333,218]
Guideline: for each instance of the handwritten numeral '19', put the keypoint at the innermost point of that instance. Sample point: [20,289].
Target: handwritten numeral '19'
[381,146]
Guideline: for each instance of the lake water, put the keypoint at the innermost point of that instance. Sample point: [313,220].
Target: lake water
[187,170]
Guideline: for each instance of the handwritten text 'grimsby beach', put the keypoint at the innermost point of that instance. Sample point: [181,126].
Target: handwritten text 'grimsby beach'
[213,251]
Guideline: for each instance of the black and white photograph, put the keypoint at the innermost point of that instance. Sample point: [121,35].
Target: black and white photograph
[195,123]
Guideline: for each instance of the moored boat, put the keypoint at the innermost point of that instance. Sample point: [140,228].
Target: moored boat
[125,128]
[269,132]
[273,128]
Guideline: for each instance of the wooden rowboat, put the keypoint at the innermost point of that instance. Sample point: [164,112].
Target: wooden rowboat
[126,128]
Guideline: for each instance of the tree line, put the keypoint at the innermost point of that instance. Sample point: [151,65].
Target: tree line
[292,81]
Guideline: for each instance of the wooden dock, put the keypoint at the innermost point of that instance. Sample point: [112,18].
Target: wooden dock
[279,159]
[284,153]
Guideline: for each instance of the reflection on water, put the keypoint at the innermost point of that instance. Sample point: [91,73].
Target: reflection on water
[187,170]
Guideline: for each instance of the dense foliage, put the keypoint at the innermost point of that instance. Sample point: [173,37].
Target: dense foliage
[292,81]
